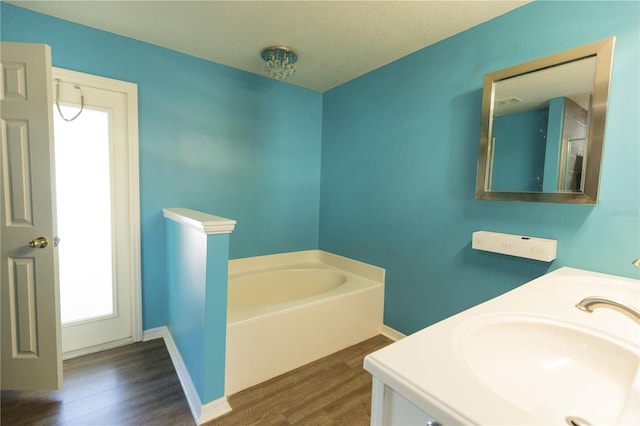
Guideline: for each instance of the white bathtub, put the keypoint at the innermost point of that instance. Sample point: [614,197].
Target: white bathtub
[289,309]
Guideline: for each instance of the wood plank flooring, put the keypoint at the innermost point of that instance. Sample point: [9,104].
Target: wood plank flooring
[334,390]
[131,385]
[137,385]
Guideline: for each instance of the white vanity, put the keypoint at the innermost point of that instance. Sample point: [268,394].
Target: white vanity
[528,357]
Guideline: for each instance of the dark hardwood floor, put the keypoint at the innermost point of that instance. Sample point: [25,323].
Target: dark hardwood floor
[335,390]
[131,385]
[137,385]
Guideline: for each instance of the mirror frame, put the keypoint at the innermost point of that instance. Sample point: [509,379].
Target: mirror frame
[603,52]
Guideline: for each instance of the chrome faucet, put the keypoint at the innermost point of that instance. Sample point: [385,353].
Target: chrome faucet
[589,303]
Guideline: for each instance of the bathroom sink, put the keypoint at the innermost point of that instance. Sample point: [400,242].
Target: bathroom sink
[527,357]
[550,368]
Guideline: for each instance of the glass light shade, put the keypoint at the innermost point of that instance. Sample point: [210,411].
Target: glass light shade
[279,62]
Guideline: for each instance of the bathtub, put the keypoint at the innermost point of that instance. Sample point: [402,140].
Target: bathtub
[287,310]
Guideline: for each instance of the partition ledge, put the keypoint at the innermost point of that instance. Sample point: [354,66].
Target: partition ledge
[204,222]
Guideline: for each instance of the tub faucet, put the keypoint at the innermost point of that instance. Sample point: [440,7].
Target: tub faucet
[589,303]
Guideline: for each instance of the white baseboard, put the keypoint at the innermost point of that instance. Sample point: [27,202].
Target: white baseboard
[97,348]
[391,333]
[213,410]
[154,333]
[201,413]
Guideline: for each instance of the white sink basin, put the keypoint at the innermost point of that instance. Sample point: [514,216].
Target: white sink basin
[548,368]
[527,357]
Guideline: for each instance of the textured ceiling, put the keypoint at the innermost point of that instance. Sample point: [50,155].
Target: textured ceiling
[336,41]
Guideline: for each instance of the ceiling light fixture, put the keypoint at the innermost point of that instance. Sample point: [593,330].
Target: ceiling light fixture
[278,62]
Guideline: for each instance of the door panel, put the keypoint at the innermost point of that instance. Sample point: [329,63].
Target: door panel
[29,307]
[22,290]
[18,173]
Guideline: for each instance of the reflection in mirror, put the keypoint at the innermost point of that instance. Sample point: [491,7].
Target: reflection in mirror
[540,122]
[543,127]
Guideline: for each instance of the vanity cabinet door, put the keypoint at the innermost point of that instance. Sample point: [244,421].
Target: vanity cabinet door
[402,412]
[389,408]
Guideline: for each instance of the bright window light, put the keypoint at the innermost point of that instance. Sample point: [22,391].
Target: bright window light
[83,195]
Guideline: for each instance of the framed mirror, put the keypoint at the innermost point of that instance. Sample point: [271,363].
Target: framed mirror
[542,129]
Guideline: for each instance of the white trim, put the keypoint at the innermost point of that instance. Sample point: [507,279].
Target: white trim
[97,348]
[188,387]
[130,90]
[203,222]
[391,333]
[154,333]
[213,410]
[201,413]
[134,213]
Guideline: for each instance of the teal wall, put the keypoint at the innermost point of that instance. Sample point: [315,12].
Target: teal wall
[519,152]
[197,309]
[186,275]
[554,144]
[212,138]
[399,149]
[215,322]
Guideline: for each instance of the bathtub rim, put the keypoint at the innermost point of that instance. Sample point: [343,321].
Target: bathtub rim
[334,273]
[361,277]
[278,260]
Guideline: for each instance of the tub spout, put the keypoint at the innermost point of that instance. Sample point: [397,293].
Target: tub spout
[588,304]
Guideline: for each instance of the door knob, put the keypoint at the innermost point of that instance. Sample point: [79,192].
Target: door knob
[40,242]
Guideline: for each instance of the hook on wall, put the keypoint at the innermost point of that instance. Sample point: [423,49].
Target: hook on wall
[75,86]
[544,135]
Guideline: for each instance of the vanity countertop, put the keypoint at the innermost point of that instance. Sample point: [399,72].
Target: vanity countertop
[432,368]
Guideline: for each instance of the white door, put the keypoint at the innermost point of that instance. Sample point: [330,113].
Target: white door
[31,345]
[95,139]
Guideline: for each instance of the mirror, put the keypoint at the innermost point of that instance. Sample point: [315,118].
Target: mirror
[542,128]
